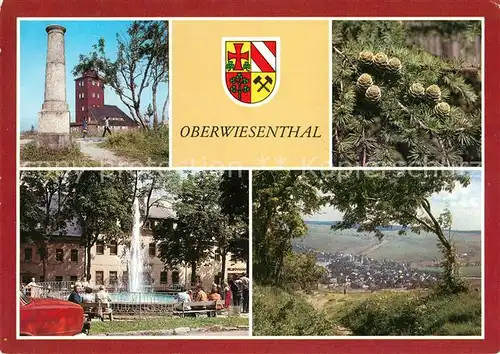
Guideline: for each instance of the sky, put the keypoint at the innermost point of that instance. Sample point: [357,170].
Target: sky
[79,38]
[464,204]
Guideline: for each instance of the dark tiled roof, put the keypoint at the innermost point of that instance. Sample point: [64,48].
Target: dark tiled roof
[98,114]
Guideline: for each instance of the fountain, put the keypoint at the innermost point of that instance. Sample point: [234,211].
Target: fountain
[136,261]
[137,291]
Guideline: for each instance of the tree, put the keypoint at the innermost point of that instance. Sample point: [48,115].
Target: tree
[192,239]
[239,85]
[142,60]
[156,189]
[301,270]
[102,205]
[234,207]
[280,200]
[371,200]
[44,208]
[396,104]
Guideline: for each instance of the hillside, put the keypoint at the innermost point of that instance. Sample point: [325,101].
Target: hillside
[418,249]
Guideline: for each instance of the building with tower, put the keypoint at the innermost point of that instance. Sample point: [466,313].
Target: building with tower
[89,103]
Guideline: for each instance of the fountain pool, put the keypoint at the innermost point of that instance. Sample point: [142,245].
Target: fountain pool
[143,298]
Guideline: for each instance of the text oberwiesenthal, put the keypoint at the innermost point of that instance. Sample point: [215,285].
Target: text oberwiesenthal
[250,131]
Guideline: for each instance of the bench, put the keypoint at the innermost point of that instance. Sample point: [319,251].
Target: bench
[211,308]
[96,309]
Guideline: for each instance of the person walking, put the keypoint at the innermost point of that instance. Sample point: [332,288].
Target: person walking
[106,127]
[245,285]
[84,127]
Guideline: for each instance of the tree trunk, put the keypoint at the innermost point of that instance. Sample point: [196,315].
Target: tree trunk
[164,109]
[223,267]
[44,268]
[449,264]
[193,273]
[87,272]
[155,111]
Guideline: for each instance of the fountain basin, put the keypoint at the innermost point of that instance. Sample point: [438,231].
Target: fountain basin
[142,298]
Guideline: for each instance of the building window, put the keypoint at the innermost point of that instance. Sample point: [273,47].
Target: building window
[73,278]
[97,83]
[59,278]
[99,247]
[74,255]
[175,277]
[113,278]
[152,249]
[163,277]
[98,96]
[93,83]
[83,95]
[83,108]
[125,277]
[99,277]
[93,94]
[28,254]
[59,255]
[113,248]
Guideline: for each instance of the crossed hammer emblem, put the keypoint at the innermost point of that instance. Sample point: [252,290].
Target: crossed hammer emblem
[263,85]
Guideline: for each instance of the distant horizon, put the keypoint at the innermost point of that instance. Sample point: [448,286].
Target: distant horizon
[394,227]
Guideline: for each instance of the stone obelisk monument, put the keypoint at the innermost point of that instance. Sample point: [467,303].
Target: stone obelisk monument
[53,120]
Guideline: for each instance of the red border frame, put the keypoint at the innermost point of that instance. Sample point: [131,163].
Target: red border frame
[229,8]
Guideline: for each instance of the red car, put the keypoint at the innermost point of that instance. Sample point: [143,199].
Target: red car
[50,317]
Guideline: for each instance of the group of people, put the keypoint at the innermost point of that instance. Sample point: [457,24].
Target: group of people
[234,293]
[85,125]
[86,294]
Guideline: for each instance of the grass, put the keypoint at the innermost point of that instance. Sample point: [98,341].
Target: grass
[33,156]
[412,313]
[149,147]
[280,313]
[165,323]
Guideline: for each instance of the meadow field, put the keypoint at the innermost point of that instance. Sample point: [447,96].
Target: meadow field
[419,249]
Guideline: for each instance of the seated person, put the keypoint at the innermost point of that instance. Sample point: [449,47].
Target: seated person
[88,296]
[75,295]
[215,296]
[183,297]
[201,295]
[103,299]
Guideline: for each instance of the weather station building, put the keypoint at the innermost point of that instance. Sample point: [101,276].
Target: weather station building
[89,104]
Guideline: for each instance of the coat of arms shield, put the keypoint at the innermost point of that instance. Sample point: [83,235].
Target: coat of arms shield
[250,69]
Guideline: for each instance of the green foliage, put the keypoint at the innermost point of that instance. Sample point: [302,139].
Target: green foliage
[141,61]
[280,200]
[233,200]
[149,147]
[300,271]
[192,240]
[34,156]
[102,205]
[386,124]
[385,198]
[410,313]
[44,208]
[280,313]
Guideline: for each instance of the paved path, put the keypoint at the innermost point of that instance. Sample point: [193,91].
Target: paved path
[23,142]
[105,157]
[219,334]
